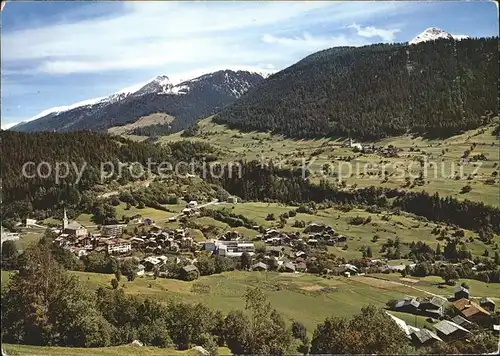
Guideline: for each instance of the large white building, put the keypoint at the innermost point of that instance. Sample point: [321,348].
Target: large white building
[229,248]
[118,246]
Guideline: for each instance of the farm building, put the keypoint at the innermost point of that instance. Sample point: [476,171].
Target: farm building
[260,266]
[189,273]
[461,292]
[488,304]
[424,337]
[448,330]
[287,267]
[472,311]
[408,305]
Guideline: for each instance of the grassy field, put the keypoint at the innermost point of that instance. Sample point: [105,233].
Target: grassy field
[14,350]
[445,154]
[297,296]
[478,289]
[404,226]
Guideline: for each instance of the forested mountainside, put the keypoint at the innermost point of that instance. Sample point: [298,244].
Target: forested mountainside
[187,101]
[436,88]
[83,152]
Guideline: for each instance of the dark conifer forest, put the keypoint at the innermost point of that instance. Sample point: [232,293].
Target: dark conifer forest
[84,150]
[437,88]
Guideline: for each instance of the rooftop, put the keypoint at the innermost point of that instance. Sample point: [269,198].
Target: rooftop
[449,327]
[424,335]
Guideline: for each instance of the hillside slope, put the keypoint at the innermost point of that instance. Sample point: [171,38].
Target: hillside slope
[438,88]
[186,101]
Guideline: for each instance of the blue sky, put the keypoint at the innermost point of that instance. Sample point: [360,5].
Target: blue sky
[57,53]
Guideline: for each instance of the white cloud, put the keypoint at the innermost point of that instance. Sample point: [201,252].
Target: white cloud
[312,43]
[370,31]
[156,35]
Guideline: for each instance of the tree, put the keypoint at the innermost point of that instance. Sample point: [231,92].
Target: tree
[114,283]
[128,268]
[246,260]
[299,330]
[9,255]
[449,274]
[205,264]
[237,331]
[118,274]
[44,305]
[369,252]
[497,258]
[368,332]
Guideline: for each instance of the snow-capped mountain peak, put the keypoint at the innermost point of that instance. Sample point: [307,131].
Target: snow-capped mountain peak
[434,33]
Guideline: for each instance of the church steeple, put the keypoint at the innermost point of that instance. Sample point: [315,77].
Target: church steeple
[65,220]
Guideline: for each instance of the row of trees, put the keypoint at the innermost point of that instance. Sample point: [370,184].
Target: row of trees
[437,88]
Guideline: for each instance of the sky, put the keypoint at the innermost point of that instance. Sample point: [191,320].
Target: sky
[56,53]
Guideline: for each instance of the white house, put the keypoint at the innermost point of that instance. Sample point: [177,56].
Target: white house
[118,246]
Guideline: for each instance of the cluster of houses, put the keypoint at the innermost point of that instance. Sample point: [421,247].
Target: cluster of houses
[77,239]
[468,314]
[316,233]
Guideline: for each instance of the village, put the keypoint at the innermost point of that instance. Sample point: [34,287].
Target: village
[448,318]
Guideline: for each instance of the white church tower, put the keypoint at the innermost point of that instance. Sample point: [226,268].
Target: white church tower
[65,220]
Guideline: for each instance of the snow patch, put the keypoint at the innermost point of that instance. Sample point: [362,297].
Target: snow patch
[434,33]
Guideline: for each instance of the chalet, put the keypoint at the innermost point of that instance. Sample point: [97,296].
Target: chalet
[275,251]
[300,254]
[140,270]
[468,263]
[84,241]
[472,311]
[448,330]
[301,267]
[312,242]
[232,200]
[488,304]
[408,305]
[461,292]
[424,337]
[460,320]
[117,246]
[188,211]
[163,259]
[314,228]
[186,242]
[349,268]
[260,266]
[189,272]
[273,241]
[150,262]
[192,204]
[432,307]
[172,219]
[112,231]
[287,267]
